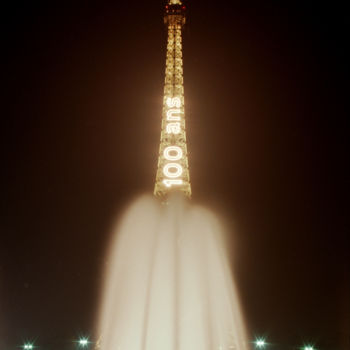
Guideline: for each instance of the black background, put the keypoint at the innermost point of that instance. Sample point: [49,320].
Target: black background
[265,107]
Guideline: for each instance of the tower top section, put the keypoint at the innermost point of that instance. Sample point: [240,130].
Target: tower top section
[175,12]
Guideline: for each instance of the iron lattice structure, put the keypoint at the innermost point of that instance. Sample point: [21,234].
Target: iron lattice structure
[173,173]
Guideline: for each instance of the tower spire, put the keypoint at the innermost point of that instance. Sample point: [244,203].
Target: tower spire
[173,172]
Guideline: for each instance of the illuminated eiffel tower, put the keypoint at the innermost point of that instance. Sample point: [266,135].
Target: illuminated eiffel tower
[173,172]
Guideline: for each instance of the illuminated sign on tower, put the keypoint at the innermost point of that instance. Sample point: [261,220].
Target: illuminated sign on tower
[173,173]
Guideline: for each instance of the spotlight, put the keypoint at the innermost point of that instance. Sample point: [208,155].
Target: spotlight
[260,343]
[83,342]
[28,346]
[308,347]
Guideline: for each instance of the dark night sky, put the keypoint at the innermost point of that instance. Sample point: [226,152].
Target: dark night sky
[265,108]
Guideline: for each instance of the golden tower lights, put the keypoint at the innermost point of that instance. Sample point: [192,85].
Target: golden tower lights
[173,173]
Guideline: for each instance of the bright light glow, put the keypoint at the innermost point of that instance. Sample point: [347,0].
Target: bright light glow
[172,153]
[83,342]
[309,347]
[173,102]
[170,114]
[260,343]
[175,2]
[28,346]
[173,128]
[170,182]
[172,174]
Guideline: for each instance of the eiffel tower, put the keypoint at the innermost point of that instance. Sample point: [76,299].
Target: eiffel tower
[173,173]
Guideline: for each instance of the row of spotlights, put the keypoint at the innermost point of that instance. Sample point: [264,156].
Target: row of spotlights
[82,342]
[260,343]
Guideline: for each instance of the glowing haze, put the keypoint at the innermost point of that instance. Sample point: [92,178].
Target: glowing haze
[168,285]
